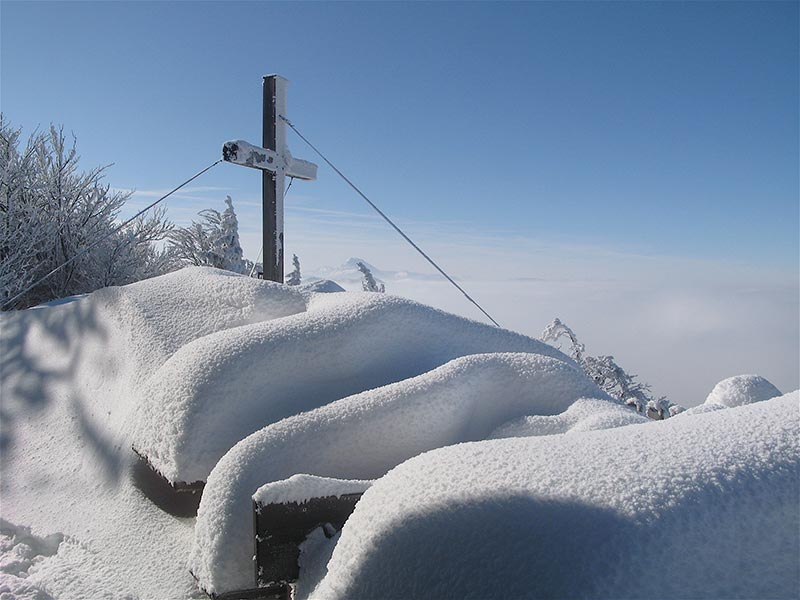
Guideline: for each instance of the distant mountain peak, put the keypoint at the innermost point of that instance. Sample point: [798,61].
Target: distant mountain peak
[352,263]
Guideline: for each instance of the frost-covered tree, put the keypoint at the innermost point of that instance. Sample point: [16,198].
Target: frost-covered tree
[294,276]
[615,381]
[50,211]
[610,377]
[211,242]
[369,284]
[556,330]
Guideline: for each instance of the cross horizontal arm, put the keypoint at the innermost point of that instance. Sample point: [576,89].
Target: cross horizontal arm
[301,169]
[246,154]
[243,153]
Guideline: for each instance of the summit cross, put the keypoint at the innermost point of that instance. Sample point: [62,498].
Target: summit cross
[276,163]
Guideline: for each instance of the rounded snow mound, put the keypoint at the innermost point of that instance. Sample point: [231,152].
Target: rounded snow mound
[365,435]
[635,512]
[222,387]
[741,390]
[104,345]
[167,312]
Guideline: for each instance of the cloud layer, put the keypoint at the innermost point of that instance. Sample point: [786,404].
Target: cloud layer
[680,323]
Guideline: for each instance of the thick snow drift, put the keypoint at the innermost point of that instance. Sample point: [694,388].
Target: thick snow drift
[741,390]
[693,507]
[220,388]
[68,373]
[365,435]
[77,521]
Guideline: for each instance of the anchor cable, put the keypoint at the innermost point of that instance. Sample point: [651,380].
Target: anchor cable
[105,237]
[388,220]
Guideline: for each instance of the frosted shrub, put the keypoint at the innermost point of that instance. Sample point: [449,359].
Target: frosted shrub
[557,329]
[612,378]
[50,211]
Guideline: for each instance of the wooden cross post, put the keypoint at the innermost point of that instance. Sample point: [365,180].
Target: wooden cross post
[276,163]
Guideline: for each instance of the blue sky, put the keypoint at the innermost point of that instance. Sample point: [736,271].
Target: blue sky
[629,167]
[669,128]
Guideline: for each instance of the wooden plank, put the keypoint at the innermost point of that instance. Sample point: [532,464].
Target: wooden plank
[178,498]
[281,528]
[279,591]
[272,187]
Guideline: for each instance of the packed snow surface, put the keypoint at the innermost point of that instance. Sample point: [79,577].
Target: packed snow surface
[641,510]
[365,435]
[741,390]
[691,508]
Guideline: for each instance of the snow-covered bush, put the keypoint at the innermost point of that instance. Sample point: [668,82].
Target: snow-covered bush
[610,377]
[617,382]
[50,211]
[212,242]
[294,277]
[369,284]
[556,330]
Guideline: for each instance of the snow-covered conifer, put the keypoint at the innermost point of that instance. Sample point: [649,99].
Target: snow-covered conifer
[212,242]
[294,276]
[232,248]
[369,284]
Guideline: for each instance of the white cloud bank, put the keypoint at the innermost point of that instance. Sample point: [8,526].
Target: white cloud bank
[681,324]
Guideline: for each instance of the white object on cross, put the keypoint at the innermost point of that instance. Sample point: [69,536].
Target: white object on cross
[276,163]
[246,154]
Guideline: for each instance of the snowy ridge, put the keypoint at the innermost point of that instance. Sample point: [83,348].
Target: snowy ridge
[365,435]
[687,522]
[585,414]
[220,388]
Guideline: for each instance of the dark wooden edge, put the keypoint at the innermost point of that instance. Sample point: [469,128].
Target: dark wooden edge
[280,528]
[178,486]
[278,591]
